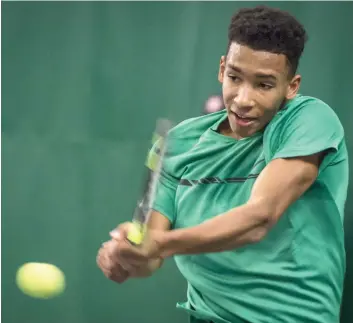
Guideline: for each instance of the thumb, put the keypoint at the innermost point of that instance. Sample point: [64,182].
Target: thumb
[121,232]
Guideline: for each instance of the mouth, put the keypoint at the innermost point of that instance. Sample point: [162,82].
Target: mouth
[242,120]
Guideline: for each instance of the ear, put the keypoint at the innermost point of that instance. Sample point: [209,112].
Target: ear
[222,67]
[293,87]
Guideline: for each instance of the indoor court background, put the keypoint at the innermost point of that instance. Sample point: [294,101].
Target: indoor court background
[82,83]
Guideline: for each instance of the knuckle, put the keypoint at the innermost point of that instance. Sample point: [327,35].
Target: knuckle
[110,275]
[125,226]
[99,261]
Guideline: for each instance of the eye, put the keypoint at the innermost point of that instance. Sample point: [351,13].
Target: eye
[266,86]
[233,77]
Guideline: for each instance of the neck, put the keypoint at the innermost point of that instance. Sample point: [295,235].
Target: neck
[225,129]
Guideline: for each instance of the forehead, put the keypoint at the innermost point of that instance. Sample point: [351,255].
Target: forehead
[255,61]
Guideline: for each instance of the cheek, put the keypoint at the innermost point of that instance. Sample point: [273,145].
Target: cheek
[272,100]
[271,107]
[269,114]
[228,92]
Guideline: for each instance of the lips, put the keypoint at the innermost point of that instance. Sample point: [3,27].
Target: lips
[242,120]
[245,118]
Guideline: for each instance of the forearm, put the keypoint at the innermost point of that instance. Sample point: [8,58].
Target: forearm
[237,227]
[157,222]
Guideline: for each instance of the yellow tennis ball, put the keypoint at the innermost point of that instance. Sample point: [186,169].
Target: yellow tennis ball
[40,280]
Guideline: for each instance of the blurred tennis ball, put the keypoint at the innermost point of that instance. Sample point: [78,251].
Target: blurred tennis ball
[40,280]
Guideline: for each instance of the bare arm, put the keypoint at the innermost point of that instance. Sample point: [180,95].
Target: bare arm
[281,183]
[157,222]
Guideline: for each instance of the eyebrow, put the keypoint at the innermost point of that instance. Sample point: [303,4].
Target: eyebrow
[258,75]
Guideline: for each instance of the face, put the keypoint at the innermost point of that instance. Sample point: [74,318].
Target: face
[255,84]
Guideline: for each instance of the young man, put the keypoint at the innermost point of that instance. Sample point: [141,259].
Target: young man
[251,198]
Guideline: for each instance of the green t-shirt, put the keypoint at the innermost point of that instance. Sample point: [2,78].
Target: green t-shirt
[295,274]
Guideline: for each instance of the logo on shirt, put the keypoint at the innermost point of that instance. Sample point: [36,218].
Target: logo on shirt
[216,180]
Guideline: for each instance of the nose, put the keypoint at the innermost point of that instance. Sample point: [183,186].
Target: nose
[244,98]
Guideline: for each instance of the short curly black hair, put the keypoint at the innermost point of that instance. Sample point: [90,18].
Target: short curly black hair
[269,29]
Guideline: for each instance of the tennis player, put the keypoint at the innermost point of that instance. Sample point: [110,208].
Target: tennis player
[251,199]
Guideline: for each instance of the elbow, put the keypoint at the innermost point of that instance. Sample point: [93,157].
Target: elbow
[266,212]
[266,217]
[258,234]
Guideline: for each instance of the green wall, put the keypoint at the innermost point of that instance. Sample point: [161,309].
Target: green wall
[82,83]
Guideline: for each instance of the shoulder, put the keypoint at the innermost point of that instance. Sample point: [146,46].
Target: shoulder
[187,133]
[182,137]
[305,112]
[170,155]
[309,106]
[195,127]
[306,125]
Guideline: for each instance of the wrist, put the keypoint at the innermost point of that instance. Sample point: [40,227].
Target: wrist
[164,245]
[172,242]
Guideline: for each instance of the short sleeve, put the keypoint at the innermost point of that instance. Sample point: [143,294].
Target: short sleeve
[304,130]
[164,200]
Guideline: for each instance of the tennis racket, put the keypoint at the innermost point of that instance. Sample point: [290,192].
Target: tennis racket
[154,162]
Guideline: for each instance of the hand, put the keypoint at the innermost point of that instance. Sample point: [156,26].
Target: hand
[109,264]
[137,259]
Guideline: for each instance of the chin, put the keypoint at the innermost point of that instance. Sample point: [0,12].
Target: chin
[242,132]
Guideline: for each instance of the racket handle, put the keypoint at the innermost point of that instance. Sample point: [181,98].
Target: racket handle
[137,233]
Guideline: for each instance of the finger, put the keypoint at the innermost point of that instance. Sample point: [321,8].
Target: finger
[130,253]
[99,255]
[118,273]
[123,249]
[109,257]
[111,247]
[103,261]
[128,267]
[123,254]
[113,271]
[126,264]
[131,267]
[121,232]
[108,246]
[119,278]
[109,260]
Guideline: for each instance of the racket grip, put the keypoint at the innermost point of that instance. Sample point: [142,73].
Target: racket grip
[136,233]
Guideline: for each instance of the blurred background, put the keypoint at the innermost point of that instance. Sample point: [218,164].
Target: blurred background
[82,85]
